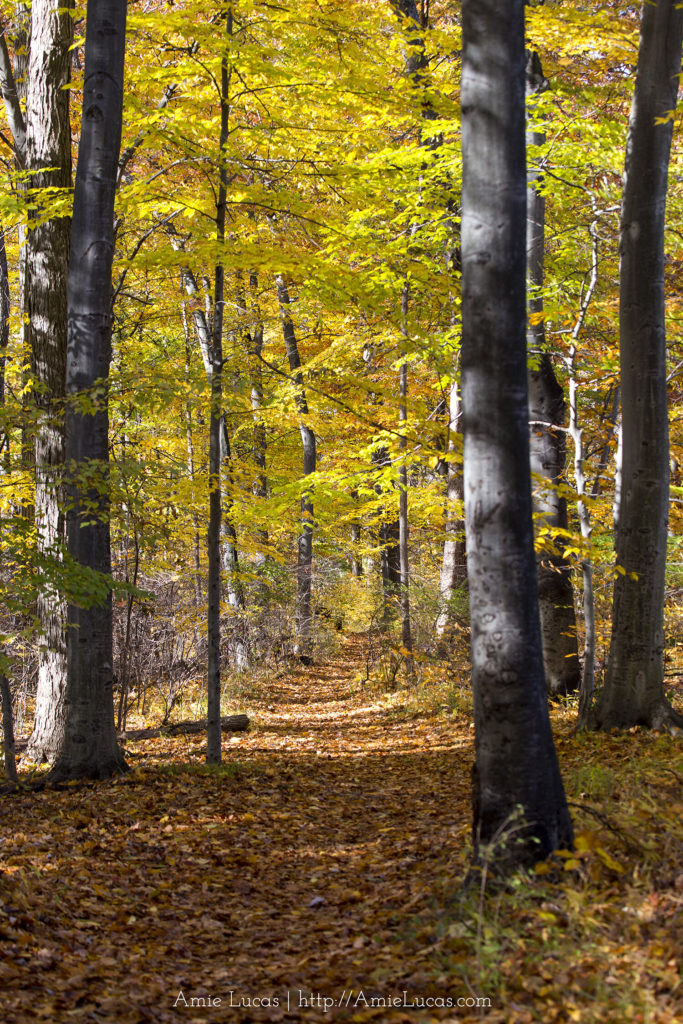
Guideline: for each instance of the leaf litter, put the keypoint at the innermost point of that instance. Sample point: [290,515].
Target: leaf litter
[317,876]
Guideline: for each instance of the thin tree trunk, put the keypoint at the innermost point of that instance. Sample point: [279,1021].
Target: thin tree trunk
[5,310]
[390,551]
[191,469]
[48,159]
[576,433]
[356,531]
[547,443]
[454,564]
[520,812]
[8,731]
[633,693]
[305,542]
[213,741]
[406,634]
[89,746]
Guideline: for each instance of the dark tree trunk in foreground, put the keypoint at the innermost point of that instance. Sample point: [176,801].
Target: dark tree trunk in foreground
[633,693]
[89,748]
[520,812]
[48,158]
[547,444]
[304,571]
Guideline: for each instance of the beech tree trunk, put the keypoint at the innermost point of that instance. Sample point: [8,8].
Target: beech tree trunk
[547,444]
[305,543]
[48,158]
[89,748]
[520,811]
[633,693]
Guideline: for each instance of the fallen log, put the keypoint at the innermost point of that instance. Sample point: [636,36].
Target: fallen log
[229,723]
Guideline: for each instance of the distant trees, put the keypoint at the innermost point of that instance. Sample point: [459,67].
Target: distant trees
[633,693]
[518,798]
[331,222]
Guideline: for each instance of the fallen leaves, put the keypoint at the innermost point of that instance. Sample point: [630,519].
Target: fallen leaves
[327,857]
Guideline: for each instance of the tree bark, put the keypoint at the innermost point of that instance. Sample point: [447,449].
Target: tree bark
[89,748]
[213,740]
[390,551]
[633,693]
[305,542]
[48,159]
[8,731]
[5,310]
[520,811]
[406,633]
[454,563]
[547,443]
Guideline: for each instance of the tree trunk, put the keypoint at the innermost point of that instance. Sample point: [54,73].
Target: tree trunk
[259,438]
[454,564]
[633,693]
[196,551]
[390,551]
[547,444]
[8,731]
[406,634]
[5,310]
[520,812]
[305,542]
[48,159]
[213,740]
[89,748]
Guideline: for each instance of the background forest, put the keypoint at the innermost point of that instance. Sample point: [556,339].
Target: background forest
[280,473]
[336,213]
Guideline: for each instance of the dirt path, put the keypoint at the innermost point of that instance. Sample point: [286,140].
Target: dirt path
[313,868]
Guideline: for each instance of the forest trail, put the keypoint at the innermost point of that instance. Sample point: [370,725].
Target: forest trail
[315,875]
[310,869]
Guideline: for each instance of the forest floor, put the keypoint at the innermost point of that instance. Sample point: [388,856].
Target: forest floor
[316,876]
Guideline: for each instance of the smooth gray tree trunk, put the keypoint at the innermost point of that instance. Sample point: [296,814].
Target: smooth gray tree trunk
[520,811]
[633,693]
[89,748]
[547,415]
[48,159]
[305,541]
